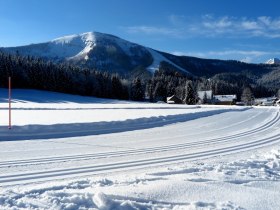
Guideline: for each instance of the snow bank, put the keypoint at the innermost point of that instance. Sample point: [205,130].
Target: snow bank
[90,193]
[84,195]
[62,130]
[258,167]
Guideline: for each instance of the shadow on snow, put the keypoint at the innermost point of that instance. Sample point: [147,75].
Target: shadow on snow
[32,132]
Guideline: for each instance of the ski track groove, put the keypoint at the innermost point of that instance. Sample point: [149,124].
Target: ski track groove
[138,163]
[145,150]
[103,126]
[97,169]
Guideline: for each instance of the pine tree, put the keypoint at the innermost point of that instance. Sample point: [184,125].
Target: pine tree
[247,96]
[137,92]
[204,99]
[190,97]
[159,93]
[117,89]
[150,89]
[278,94]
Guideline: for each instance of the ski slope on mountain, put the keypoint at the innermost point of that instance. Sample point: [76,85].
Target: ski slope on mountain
[73,152]
[157,59]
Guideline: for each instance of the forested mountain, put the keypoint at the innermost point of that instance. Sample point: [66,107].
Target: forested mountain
[35,73]
[100,51]
[106,66]
[210,67]
[112,54]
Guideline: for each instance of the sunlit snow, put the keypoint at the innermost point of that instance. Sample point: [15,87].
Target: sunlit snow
[73,152]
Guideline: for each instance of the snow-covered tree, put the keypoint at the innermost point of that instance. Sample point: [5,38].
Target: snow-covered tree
[278,94]
[204,99]
[137,92]
[190,97]
[247,96]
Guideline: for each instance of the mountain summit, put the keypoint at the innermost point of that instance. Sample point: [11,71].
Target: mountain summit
[98,50]
[109,53]
[273,61]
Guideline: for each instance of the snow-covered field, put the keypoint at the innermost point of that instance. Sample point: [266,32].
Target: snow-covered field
[72,152]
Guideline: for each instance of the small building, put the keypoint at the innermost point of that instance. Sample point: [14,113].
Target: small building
[240,103]
[205,96]
[173,100]
[224,99]
[269,101]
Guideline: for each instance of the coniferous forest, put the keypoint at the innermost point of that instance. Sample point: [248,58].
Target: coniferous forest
[36,73]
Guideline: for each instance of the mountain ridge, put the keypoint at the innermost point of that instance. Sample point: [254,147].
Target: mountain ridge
[273,61]
[110,53]
[103,51]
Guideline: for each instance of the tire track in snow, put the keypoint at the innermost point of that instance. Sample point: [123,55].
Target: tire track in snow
[224,139]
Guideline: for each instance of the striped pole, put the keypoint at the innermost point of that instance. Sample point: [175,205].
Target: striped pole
[10,111]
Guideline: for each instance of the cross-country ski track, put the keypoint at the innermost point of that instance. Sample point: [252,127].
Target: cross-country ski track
[70,141]
[264,133]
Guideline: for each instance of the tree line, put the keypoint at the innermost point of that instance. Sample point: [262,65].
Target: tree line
[36,73]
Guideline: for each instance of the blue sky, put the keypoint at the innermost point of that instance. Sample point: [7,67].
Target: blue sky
[247,30]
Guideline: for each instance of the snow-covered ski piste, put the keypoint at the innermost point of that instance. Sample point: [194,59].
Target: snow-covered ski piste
[74,152]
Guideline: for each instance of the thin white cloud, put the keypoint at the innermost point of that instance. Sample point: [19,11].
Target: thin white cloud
[228,52]
[195,54]
[250,25]
[262,26]
[247,60]
[239,52]
[242,55]
[152,30]
[177,20]
[265,20]
[210,26]
[221,23]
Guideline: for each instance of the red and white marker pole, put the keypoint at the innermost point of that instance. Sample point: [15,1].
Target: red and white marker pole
[10,111]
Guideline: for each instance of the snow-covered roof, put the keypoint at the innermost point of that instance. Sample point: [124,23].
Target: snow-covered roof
[268,103]
[173,99]
[268,99]
[225,97]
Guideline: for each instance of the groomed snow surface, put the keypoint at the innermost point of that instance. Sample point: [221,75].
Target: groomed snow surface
[73,152]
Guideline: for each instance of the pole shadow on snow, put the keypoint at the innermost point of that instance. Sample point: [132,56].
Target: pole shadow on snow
[32,132]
